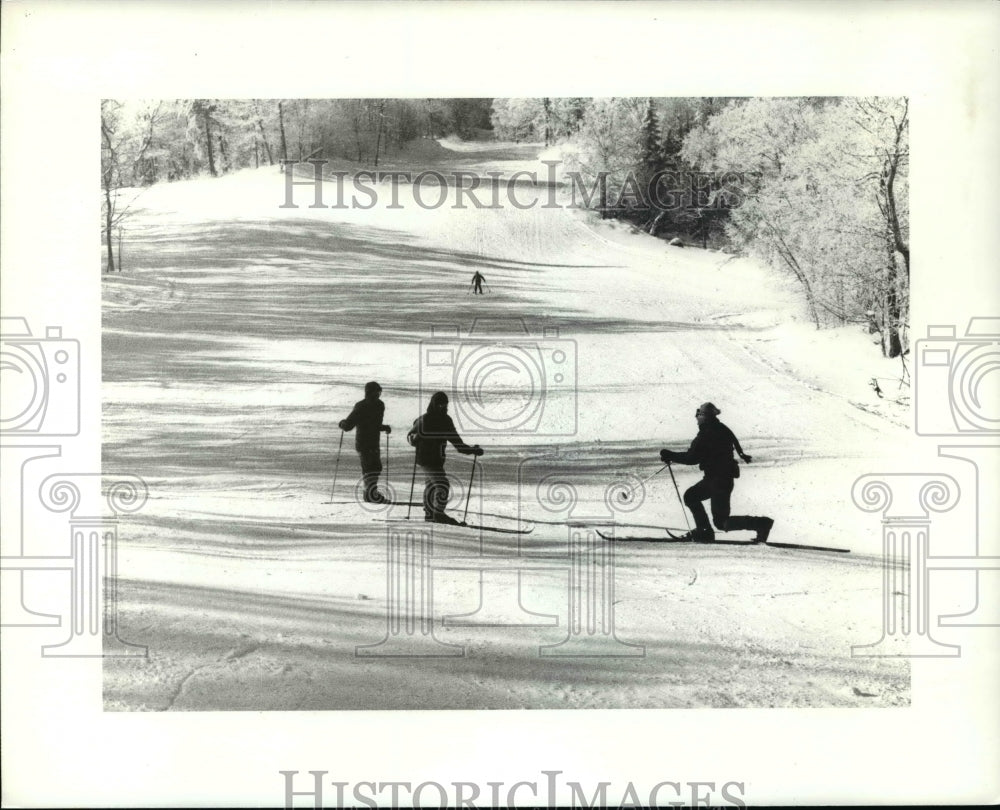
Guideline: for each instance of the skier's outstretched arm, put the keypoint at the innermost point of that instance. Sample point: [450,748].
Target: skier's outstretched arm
[739,450]
[690,456]
[351,421]
[462,447]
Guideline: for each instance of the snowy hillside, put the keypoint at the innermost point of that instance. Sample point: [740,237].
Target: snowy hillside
[241,332]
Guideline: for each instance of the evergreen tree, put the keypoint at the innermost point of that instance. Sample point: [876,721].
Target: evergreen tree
[652,152]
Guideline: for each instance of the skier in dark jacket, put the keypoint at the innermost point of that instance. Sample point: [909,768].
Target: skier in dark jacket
[477,283]
[712,450]
[429,435]
[367,418]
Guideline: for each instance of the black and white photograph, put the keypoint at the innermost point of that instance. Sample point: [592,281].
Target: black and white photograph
[479,405]
[660,336]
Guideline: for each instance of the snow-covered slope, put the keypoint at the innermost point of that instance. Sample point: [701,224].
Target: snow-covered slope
[241,332]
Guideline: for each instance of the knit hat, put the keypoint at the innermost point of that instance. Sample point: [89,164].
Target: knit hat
[708,409]
[439,398]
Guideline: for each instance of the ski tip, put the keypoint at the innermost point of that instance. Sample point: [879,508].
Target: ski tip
[803,547]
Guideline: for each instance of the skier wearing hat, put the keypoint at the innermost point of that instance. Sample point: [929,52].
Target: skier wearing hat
[712,450]
[367,418]
[429,435]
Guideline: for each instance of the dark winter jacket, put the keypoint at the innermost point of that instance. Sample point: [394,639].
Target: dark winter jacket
[711,450]
[429,434]
[367,418]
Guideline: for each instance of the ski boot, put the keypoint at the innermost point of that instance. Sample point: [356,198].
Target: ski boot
[763,529]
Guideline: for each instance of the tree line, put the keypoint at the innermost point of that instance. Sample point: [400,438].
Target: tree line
[815,186]
[818,187]
[146,142]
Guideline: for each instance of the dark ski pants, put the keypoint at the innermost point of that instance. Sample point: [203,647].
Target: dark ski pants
[437,489]
[719,490]
[371,468]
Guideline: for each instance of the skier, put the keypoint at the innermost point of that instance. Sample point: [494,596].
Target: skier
[712,450]
[477,283]
[429,435]
[367,418]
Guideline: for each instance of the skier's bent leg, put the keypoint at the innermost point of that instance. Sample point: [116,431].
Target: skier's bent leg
[693,497]
[761,525]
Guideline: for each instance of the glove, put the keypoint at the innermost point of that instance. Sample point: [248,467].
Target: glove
[477,451]
[386,429]
[746,458]
[666,456]
[342,424]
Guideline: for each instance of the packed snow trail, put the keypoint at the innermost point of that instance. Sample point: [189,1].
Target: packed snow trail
[242,332]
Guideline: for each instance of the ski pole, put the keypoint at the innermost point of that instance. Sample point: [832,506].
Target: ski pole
[387,462]
[679,498]
[413,481]
[468,492]
[336,467]
[626,495]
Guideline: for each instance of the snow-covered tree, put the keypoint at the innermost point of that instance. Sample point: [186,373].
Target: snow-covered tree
[127,141]
[827,200]
[519,119]
[607,150]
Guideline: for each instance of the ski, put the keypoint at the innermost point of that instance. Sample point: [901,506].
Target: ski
[496,529]
[804,547]
[578,523]
[372,503]
[673,538]
[475,526]
[670,538]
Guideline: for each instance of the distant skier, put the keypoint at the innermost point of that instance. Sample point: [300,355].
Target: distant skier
[477,283]
[712,450]
[367,418]
[429,435]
